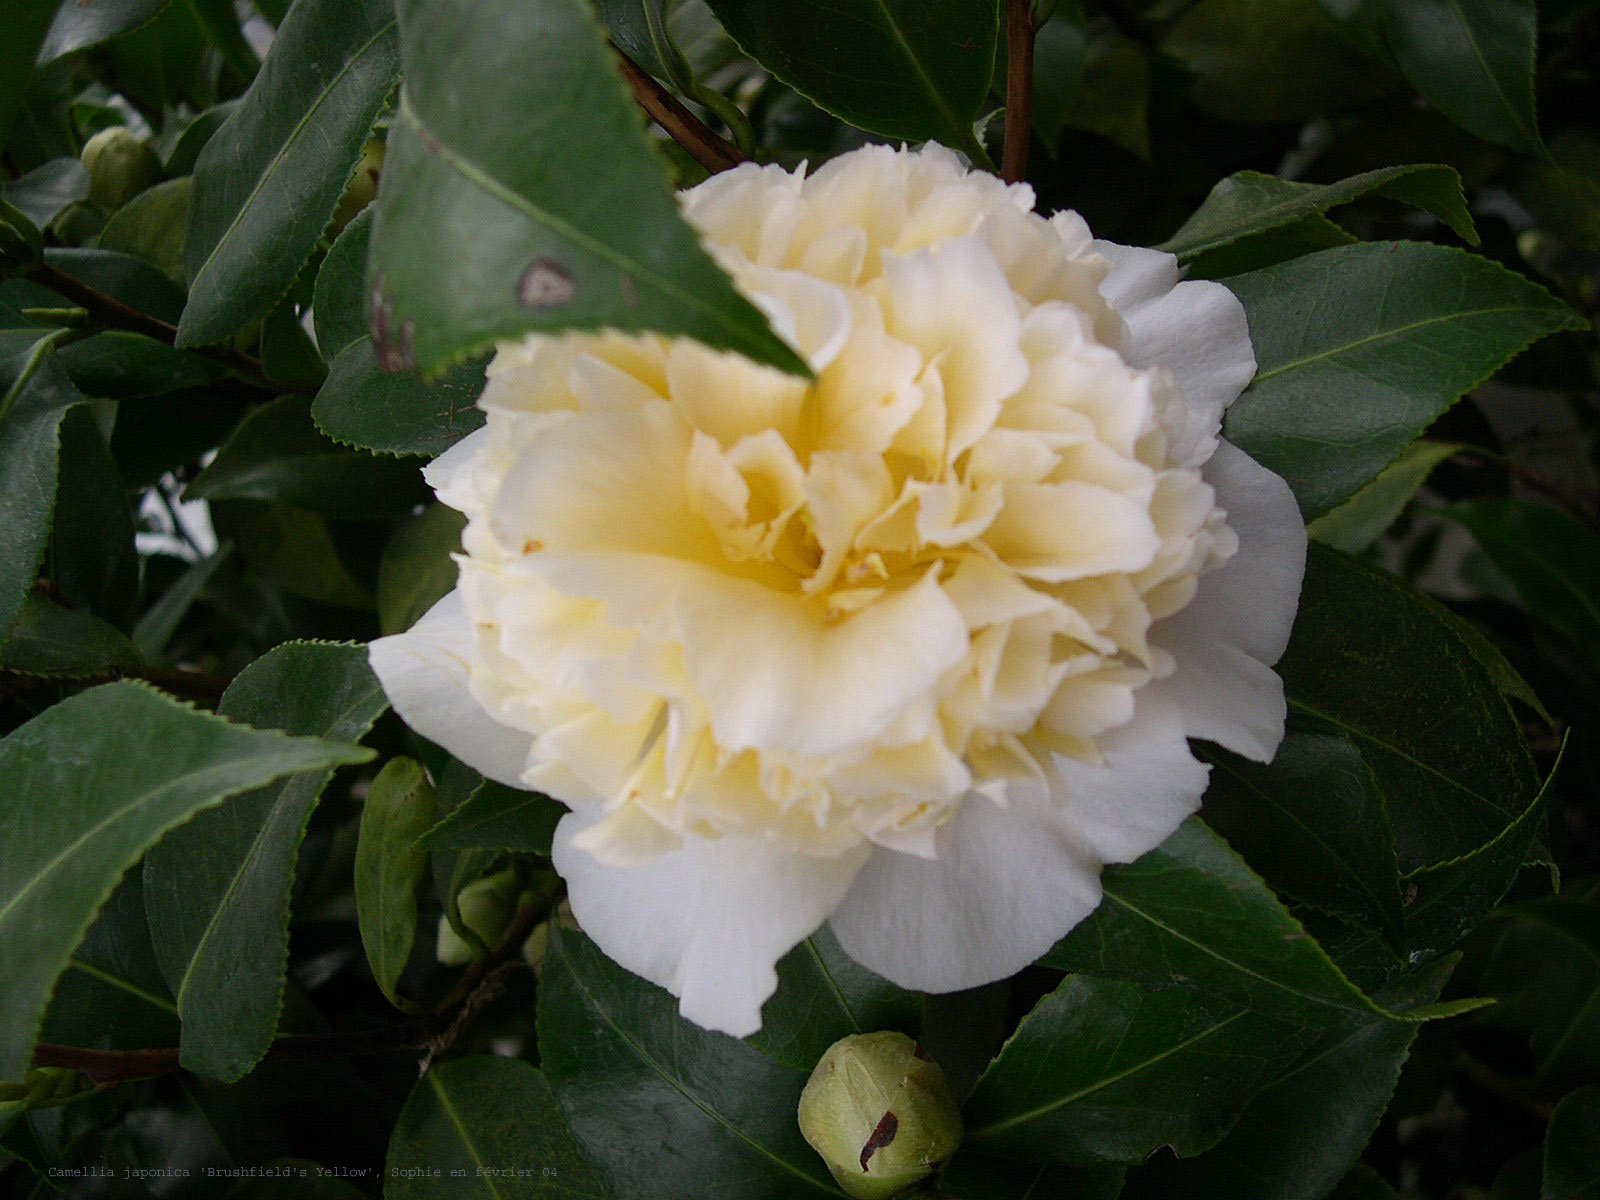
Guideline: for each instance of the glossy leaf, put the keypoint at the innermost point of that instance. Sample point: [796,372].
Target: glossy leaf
[905,69]
[84,23]
[1248,203]
[1544,971]
[150,227]
[278,454]
[824,995]
[1367,515]
[1359,348]
[30,442]
[1313,823]
[476,238]
[1301,1133]
[267,183]
[217,890]
[488,1127]
[1191,912]
[1362,1183]
[1388,669]
[973,1177]
[390,862]
[160,621]
[339,306]
[292,549]
[1572,1147]
[364,405]
[43,192]
[1474,59]
[416,570]
[496,817]
[1103,1070]
[77,822]
[633,1077]
[1551,559]
[50,640]
[91,560]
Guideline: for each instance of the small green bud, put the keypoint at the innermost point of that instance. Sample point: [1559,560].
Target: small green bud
[121,165]
[487,906]
[880,1113]
[362,187]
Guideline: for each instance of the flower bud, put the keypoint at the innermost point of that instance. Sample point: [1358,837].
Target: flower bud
[487,906]
[121,165]
[880,1113]
[362,187]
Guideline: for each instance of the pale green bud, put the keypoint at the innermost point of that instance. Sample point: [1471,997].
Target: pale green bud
[880,1113]
[487,906]
[121,165]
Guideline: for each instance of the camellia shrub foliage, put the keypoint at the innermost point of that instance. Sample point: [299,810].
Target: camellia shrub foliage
[577,571]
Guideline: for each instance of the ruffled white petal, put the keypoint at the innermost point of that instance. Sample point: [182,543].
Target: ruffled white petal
[1227,638]
[1196,329]
[426,674]
[709,921]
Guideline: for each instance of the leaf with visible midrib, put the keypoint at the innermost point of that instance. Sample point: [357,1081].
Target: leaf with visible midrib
[496,221]
[390,861]
[1360,347]
[217,890]
[268,182]
[86,797]
[634,1076]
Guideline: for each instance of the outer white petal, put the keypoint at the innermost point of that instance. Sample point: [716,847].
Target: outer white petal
[1010,882]
[708,921]
[1227,638]
[425,673]
[1195,328]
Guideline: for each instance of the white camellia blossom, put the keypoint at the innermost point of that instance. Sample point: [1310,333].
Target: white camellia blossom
[912,648]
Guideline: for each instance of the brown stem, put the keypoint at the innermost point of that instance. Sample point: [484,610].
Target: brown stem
[1532,480]
[1020,31]
[108,310]
[711,151]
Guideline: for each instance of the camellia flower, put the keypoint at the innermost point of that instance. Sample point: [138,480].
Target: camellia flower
[913,647]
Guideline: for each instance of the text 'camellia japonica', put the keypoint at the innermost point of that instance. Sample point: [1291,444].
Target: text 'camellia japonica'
[914,647]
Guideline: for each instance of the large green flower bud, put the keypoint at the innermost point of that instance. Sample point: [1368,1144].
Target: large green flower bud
[487,906]
[121,165]
[880,1113]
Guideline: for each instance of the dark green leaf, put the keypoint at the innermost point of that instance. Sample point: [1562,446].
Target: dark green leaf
[91,557]
[1367,515]
[1547,555]
[220,20]
[390,862]
[1572,1147]
[340,304]
[1301,1133]
[23,27]
[1108,1071]
[824,995]
[1191,911]
[1313,822]
[278,455]
[123,365]
[43,192]
[1391,672]
[478,239]
[901,68]
[416,570]
[972,1177]
[150,227]
[160,621]
[1362,1183]
[1361,347]
[1544,971]
[194,137]
[1248,203]
[123,277]
[50,640]
[85,23]
[496,817]
[217,889]
[1059,50]
[634,1077]
[30,441]
[112,993]
[1474,59]
[487,1127]
[364,405]
[267,183]
[77,821]
[292,549]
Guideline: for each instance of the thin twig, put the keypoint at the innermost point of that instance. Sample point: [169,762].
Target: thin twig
[710,150]
[1020,31]
[110,311]
[1585,512]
